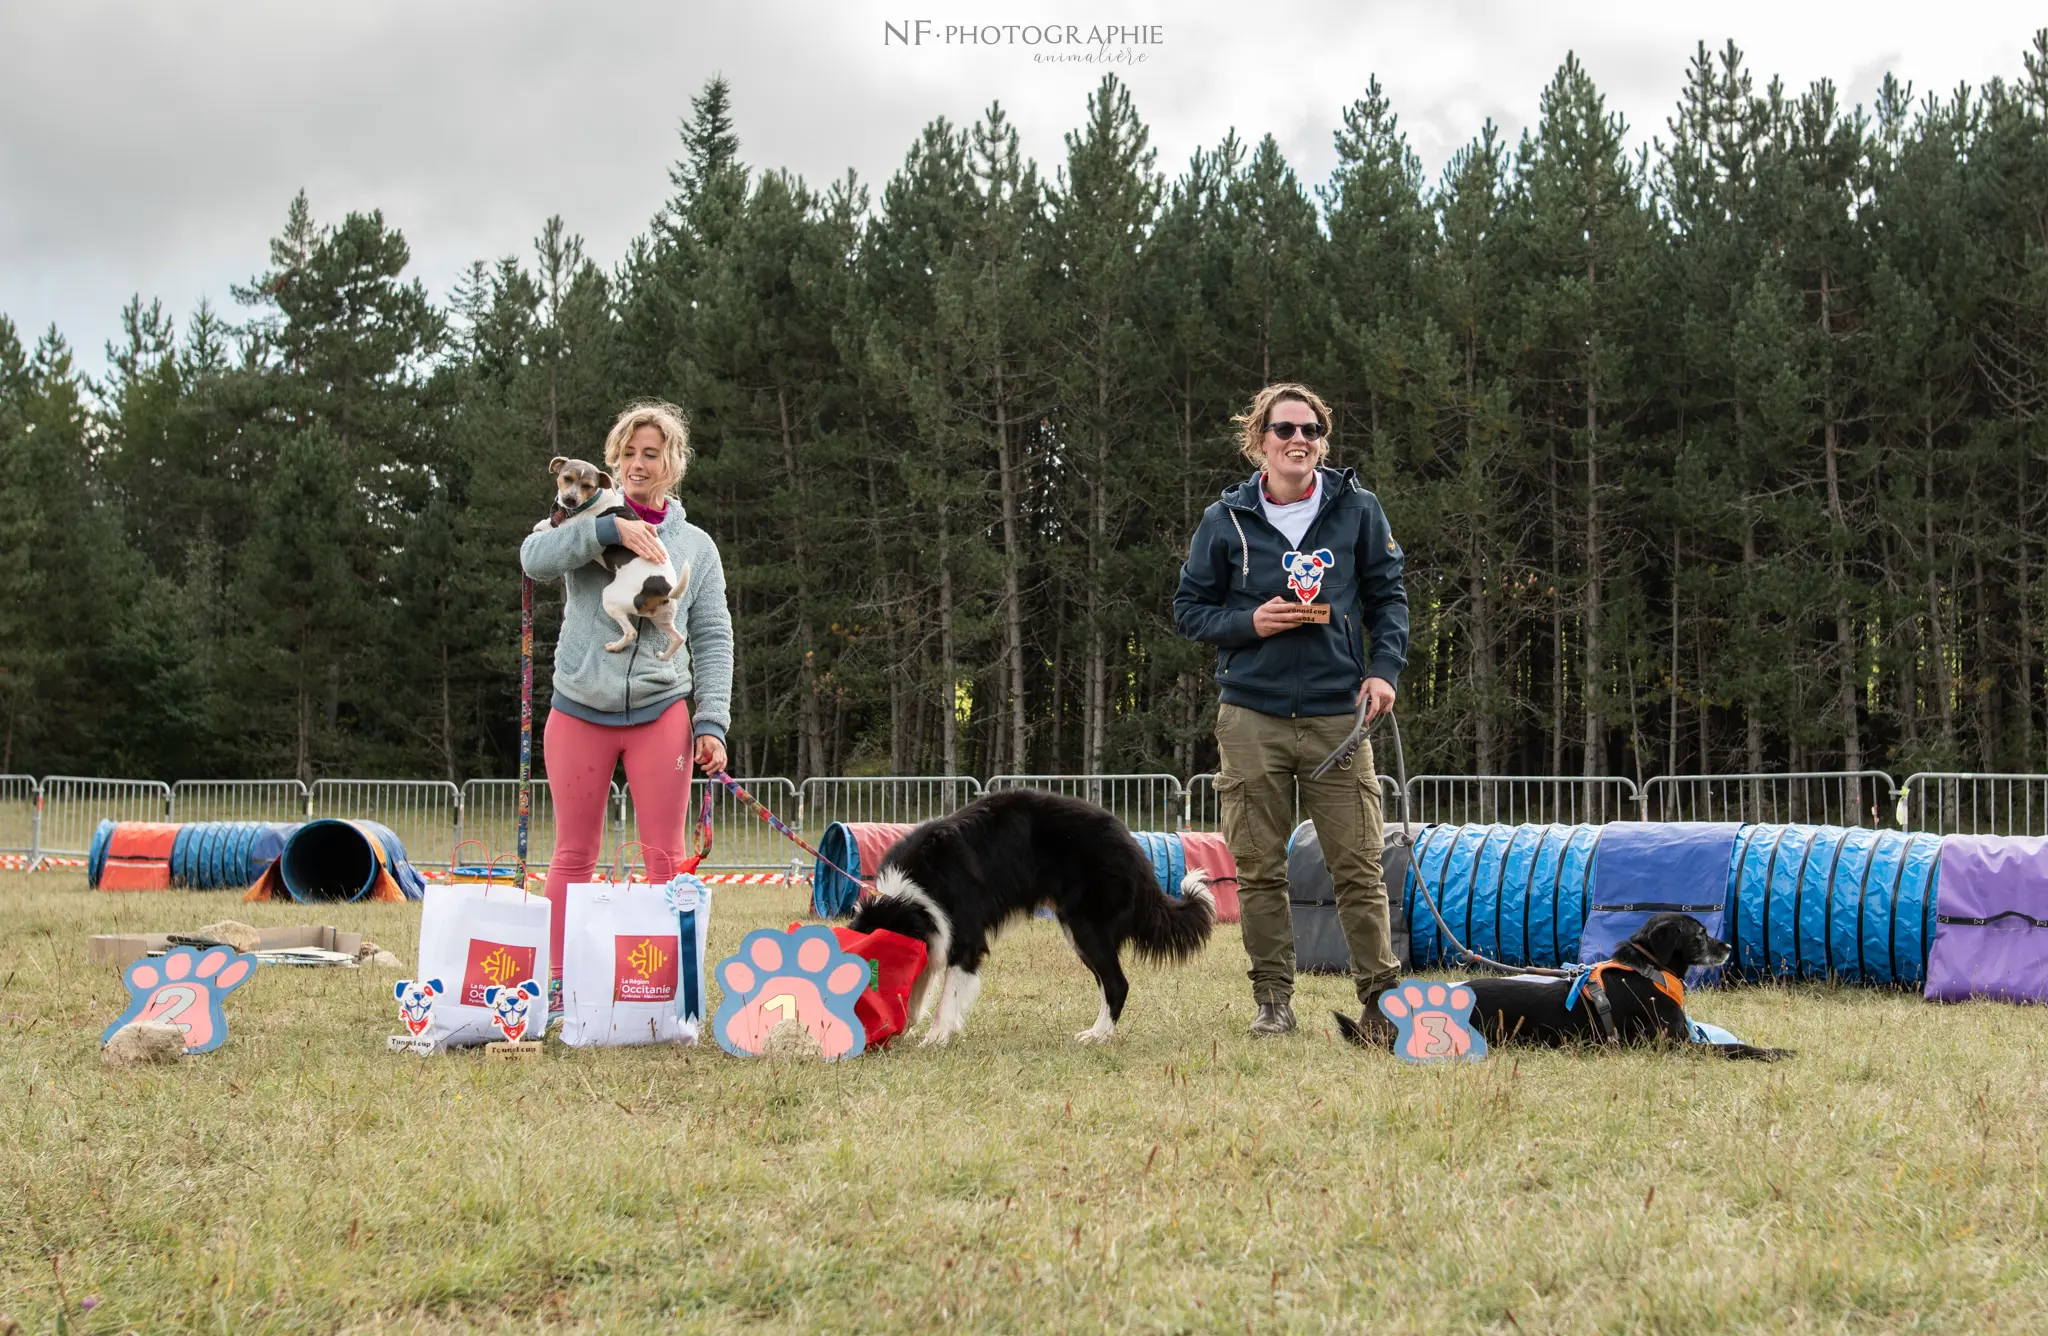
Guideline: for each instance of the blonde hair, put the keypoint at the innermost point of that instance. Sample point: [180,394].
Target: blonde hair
[665,418]
[1251,423]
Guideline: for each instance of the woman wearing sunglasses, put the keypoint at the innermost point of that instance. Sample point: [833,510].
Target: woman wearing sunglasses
[1295,577]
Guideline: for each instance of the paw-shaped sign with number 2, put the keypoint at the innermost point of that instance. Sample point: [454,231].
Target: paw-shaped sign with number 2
[184,988]
[1433,1022]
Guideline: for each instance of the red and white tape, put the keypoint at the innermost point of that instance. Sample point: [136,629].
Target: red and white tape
[710,878]
[19,863]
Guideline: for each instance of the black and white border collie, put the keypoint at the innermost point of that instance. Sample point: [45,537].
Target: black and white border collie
[953,883]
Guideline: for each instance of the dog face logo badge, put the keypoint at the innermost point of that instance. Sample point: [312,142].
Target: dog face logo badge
[644,968]
[509,1007]
[493,965]
[1305,572]
[416,1003]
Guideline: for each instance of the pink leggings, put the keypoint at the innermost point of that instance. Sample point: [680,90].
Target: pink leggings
[580,759]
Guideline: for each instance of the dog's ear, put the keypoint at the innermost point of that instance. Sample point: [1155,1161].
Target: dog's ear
[555,464]
[604,479]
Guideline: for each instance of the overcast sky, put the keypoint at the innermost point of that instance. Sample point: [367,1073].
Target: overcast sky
[151,146]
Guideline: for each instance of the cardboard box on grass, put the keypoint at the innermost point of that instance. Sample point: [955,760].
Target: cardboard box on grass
[119,949]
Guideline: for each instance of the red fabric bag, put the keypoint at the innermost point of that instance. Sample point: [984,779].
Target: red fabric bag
[884,1006]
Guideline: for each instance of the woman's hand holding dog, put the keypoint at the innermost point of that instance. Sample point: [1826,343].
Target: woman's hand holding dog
[637,536]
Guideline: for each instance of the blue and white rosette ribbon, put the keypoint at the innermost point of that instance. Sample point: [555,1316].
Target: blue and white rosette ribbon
[689,899]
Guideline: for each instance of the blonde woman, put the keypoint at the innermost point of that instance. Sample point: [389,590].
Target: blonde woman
[1295,577]
[631,705]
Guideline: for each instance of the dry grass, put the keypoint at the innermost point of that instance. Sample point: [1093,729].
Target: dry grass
[1187,1179]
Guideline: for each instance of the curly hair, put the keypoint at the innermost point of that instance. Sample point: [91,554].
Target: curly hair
[1251,423]
[675,436]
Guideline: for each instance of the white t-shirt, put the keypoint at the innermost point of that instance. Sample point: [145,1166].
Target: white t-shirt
[1293,518]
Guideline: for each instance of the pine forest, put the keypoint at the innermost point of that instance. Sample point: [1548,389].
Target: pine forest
[1718,448]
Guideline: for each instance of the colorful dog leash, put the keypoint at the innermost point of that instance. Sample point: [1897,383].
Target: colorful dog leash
[781,827]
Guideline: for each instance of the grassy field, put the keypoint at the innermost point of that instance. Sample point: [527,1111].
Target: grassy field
[1188,1178]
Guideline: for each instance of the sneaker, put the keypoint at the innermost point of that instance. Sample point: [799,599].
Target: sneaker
[1274,1018]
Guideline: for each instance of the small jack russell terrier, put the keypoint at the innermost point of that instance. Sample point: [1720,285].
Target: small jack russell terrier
[639,587]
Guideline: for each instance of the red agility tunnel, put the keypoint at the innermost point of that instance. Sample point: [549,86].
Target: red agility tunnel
[1205,851]
[131,856]
[857,847]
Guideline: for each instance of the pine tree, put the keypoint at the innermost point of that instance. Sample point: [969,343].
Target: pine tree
[1588,234]
[1104,210]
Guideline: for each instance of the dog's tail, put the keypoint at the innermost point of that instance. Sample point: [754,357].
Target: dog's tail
[656,590]
[1169,929]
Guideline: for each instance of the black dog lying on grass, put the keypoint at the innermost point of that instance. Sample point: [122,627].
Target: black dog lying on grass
[1643,990]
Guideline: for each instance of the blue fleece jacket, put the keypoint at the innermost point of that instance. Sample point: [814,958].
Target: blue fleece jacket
[1238,560]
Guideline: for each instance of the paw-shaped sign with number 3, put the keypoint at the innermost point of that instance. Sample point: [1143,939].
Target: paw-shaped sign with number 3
[1433,1022]
[184,988]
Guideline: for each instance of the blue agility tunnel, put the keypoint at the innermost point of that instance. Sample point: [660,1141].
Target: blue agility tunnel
[1798,902]
[1814,902]
[1516,893]
[1647,868]
[226,855]
[96,852]
[1169,860]
[330,860]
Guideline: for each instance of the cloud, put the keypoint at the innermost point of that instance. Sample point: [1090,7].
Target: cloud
[152,148]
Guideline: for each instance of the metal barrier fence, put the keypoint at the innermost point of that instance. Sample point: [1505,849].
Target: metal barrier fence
[425,814]
[1969,804]
[490,816]
[238,800]
[72,806]
[55,818]
[1518,800]
[1822,798]
[894,799]
[18,795]
[1202,810]
[739,839]
[1141,802]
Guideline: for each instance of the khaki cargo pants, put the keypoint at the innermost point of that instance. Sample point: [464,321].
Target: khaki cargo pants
[1262,755]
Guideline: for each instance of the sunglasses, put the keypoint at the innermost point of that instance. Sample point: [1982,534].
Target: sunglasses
[1310,431]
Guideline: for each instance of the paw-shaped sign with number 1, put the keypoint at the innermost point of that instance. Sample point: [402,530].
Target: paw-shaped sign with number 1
[801,975]
[184,988]
[1433,1022]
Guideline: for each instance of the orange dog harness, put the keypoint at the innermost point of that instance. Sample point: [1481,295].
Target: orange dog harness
[1600,1012]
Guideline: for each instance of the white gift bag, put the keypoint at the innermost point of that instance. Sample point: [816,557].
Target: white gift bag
[478,945]
[633,962]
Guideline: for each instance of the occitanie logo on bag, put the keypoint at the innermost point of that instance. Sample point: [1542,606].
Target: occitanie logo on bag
[644,969]
[494,964]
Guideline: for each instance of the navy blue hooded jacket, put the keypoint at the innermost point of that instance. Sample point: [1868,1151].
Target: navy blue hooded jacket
[1238,560]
